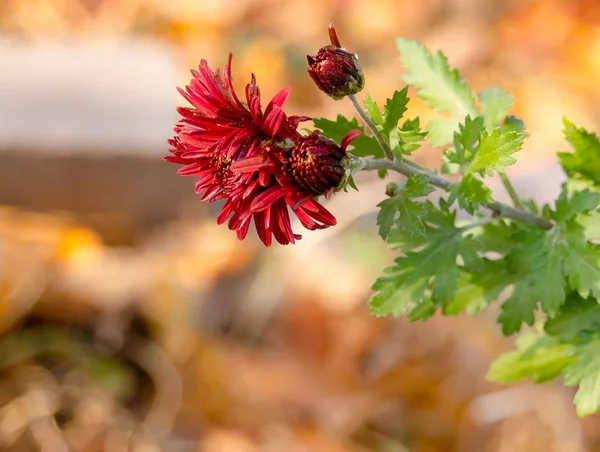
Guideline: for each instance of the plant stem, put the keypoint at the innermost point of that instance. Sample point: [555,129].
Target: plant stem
[409,168]
[369,123]
[499,209]
[510,189]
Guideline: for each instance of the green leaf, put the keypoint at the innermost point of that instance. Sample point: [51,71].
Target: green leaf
[578,315]
[388,210]
[336,130]
[422,311]
[477,290]
[417,186]
[470,192]
[409,136]
[433,268]
[536,263]
[373,110]
[495,151]
[584,162]
[465,141]
[512,123]
[538,357]
[591,225]
[579,202]
[403,211]
[518,309]
[495,105]
[394,109]
[582,267]
[586,373]
[441,87]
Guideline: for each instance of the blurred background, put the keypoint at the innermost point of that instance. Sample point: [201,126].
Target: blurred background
[129,321]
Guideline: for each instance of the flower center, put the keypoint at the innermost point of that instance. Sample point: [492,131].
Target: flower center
[221,164]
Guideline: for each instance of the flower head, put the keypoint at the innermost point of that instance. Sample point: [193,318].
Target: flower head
[255,160]
[334,70]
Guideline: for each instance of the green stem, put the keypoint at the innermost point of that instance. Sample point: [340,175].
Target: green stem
[372,127]
[499,209]
[510,189]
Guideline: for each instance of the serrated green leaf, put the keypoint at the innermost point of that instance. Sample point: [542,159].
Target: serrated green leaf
[394,109]
[410,220]
[512,123]
[417,186]
[465,141]
[586,373]
[538,357]
[582,267]
[388,210]
[402,211]
[470,193]
[410,136]
[584,162]
[422,311]
[536,263]
[579,202]
[578,315]
[496,236]
[518,309]
[441,87]
[477,290]
[495,105]
[373,110]
[591,225]
[336,130]
[495,151]
[432,268]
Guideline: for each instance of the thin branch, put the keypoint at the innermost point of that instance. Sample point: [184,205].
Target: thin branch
[498,208]
[510,189]
[367,120]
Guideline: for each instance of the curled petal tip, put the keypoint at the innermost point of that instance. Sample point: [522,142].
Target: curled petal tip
[350,136]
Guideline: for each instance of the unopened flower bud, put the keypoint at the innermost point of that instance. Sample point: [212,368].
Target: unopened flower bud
[317,163]
[336,71]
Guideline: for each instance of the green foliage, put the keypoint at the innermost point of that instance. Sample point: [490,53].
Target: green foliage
[495,151]
[579,316]
[470,193]
[585,373]
[495,105]
[401,211]
[540,265]
[437,84]
[537,356]
[430,273]
[402,140]
[584,162]
[364,145]
[394,110]
[406,139]
[466,143]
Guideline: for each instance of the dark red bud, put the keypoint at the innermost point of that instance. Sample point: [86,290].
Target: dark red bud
[316,163]
[336,71]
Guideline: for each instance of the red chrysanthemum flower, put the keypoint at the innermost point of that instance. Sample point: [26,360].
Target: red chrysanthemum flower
[257,161]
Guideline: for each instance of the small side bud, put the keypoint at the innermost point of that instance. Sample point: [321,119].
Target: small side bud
[334,70]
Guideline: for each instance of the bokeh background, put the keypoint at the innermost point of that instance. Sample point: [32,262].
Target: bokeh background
[130,322]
